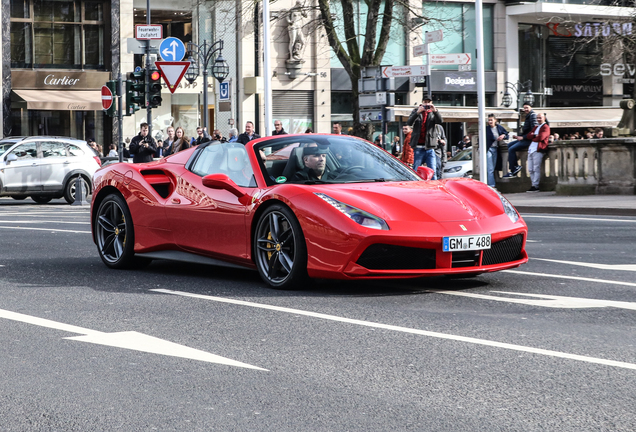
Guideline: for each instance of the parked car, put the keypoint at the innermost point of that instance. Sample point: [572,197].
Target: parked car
[252,206]
[46,167]
[460,165]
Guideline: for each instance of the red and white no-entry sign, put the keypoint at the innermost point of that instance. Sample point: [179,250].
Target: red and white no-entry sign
[107,97]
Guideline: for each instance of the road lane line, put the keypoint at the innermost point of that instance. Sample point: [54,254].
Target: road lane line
[477,341]
[624,267]
[605,281]
[44,221]
[579,218]
[45,229]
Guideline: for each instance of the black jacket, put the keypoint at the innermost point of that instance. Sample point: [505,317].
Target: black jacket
[245,138]
[415,120]
[202,139]
[529,123]
[282,132]
[142,154]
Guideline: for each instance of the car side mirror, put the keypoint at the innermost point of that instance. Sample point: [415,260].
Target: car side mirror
[222,181]
[11,158]
[425,172]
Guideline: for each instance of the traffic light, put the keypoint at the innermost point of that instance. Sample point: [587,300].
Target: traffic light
[154,94]
[135,91]
[112,85]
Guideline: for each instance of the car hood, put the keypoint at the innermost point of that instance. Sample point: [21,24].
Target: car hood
[424,201]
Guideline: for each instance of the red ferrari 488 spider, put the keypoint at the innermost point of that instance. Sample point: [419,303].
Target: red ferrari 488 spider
[302,206]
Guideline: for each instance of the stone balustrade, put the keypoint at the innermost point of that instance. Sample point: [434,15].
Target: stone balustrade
[576,167]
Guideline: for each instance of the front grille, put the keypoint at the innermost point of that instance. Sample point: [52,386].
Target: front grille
[391,257]
[465,259]
[504,251]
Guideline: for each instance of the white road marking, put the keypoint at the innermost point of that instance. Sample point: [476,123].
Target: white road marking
[408,330]
[552,302]
[605,281]
[625,267]
[45,229]
[128,340]
[44,221]
[525,216]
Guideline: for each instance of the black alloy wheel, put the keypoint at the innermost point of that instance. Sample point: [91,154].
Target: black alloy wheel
[69,190]
[279,249]
[41,199]
[115,233]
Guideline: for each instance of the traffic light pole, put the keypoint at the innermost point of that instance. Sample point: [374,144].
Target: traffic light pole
[148,108]
[120,116]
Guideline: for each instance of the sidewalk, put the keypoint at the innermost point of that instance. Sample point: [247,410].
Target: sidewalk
[550,202]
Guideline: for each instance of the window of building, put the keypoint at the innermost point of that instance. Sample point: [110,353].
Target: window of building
[457,21]
[65,34]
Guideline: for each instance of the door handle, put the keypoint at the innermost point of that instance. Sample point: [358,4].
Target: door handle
[176,201]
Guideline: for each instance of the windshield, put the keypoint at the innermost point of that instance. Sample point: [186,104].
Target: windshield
[312,159]
[464,155]
[5,145]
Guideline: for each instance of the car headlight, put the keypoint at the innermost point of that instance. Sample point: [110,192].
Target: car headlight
[453,169]
[508,208]
[359,216]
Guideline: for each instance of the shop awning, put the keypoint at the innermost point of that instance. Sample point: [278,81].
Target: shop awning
[603,117]
[460,114]
[61,100]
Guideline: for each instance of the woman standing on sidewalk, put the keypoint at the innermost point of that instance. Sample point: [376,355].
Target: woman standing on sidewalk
[495,134]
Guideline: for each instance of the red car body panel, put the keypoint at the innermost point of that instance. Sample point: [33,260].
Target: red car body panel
[216,223]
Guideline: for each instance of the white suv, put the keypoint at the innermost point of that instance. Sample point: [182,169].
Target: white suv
[45,167]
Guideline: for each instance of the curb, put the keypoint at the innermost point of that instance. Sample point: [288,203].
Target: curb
[577,210]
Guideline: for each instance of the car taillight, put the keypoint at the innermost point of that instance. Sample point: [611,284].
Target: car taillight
[98,160]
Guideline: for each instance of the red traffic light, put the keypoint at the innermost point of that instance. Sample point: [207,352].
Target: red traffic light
[155,75]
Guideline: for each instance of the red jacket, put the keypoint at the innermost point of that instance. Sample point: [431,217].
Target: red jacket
[542,138]
[407,151]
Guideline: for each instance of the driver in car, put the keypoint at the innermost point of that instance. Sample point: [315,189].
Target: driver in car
[314,159]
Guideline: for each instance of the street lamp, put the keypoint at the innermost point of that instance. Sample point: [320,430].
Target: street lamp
[200,56]
[517,88]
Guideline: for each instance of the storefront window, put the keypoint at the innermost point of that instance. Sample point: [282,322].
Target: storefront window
[57,36]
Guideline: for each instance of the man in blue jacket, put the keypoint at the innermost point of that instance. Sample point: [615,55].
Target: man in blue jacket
[521,144]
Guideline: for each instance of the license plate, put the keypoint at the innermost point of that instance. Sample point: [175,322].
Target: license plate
[466,243]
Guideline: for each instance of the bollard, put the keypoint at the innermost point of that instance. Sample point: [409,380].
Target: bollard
[79,192]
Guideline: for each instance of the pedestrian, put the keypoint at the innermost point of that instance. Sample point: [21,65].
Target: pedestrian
[249,134]
[407,151]
[218,136]
[556,136]
[539,139]
[143,146]
[378,141]
[182,141]
[202,137]
[521,143]
[495,134]
[160,149]
[440,151]
[396,148]
[278,128]
[309,130]
[598,133]
[337,128]
[463,144]
[91,142]
[424,137]
[233,133]
[168,144]
[113,151]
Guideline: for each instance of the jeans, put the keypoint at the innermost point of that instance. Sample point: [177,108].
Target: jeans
[426,156]
[513,147]
[491,161]
[534,167]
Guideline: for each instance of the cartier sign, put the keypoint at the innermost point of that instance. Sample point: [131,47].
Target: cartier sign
[58,80]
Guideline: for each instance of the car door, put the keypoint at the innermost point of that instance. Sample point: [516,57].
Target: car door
[23,174]
[54,165]
[206,220]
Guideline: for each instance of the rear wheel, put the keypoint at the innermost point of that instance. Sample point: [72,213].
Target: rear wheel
[18,197]
[279,248]
[41,199]
[115,233]
[69,190]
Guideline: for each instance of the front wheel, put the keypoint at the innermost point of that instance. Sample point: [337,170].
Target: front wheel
[115,233]
[279,248]
[41,199]
[69,190]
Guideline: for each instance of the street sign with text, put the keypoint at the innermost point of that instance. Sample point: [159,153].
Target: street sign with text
[449,59]
[433,36]
[420,50]
[406,71]
[152,31]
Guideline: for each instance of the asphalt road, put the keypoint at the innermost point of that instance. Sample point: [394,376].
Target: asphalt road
[550,346]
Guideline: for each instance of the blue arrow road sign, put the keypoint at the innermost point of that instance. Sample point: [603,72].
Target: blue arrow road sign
[172,49]
[224,91]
